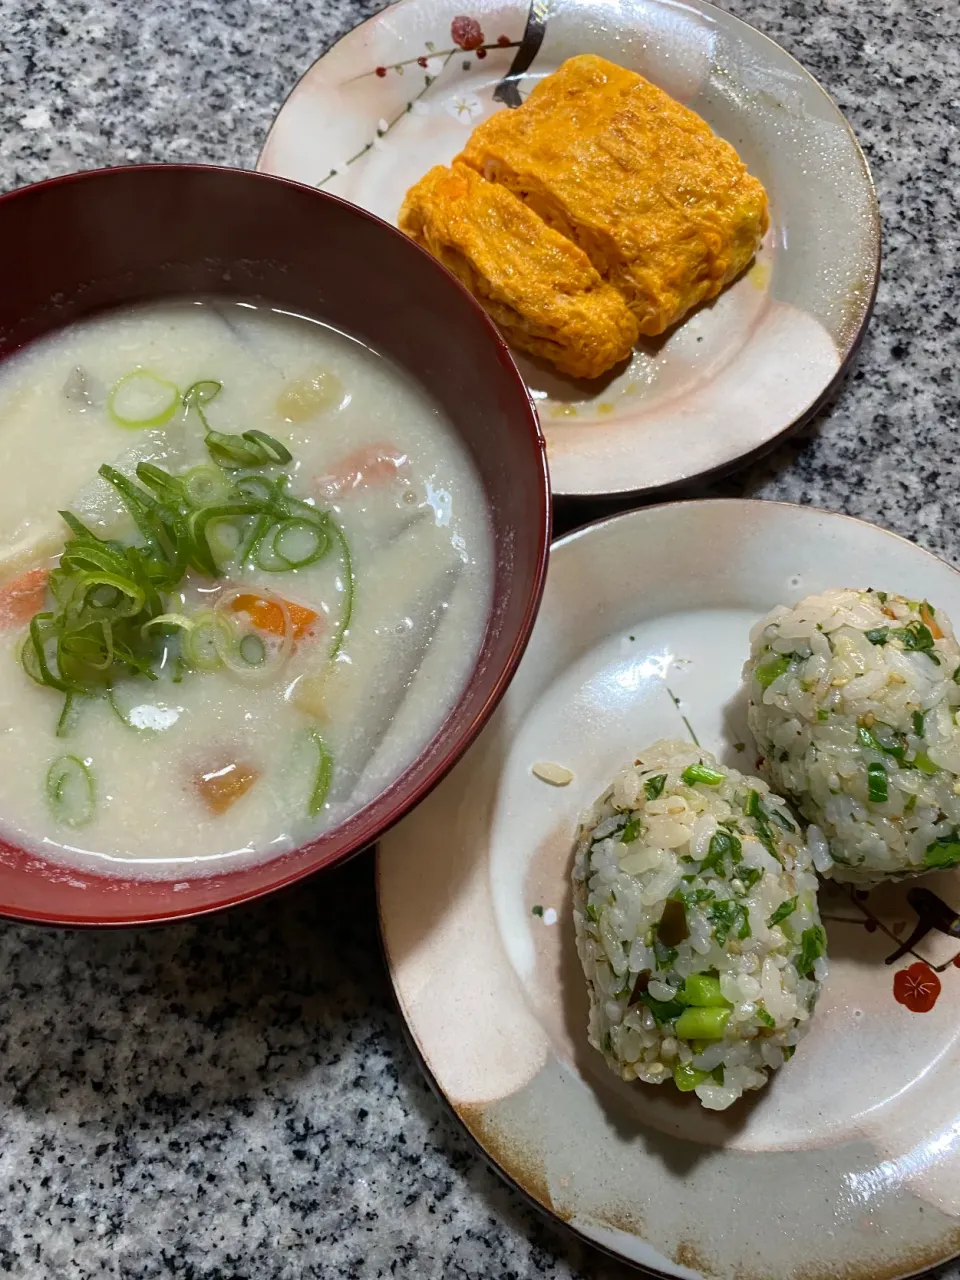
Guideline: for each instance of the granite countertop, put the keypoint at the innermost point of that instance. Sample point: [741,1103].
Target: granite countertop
[234,1098]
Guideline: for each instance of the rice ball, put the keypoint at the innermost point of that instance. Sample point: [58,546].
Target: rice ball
[697,926]
[853,698]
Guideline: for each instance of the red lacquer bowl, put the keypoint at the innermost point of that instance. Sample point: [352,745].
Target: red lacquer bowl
[76,245]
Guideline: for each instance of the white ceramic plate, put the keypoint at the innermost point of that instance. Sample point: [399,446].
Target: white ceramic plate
[398,95]
[848,1164]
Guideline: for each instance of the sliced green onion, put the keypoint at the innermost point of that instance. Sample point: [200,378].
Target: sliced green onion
[297,543]
[72,706]
[230,633]
[204,486]
[224,540]
[142,399]
[199,394]
[653,787]
[323,777]
[166,487]
[274,450]
[257,487]
[71,793]
[252,650]
[175,621]
[695,773]
[251,449]
[346,614]
[202,392]
[112,602]
[201,553]
[198,646]
[877,788]
[35,653]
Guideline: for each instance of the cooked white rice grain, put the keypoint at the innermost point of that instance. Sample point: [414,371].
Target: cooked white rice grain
[697,925]
[853,703]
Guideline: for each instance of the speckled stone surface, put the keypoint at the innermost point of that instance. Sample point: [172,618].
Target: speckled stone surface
[234,1099]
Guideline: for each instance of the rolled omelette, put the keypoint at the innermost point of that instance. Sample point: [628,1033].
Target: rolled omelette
[664,209]
[538,287]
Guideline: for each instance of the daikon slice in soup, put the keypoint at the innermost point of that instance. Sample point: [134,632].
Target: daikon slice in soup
[245,570]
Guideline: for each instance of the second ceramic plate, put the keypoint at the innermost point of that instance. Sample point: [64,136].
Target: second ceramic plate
[401,93]
[848,1163]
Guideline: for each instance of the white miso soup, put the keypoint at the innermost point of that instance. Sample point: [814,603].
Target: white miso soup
[245,570]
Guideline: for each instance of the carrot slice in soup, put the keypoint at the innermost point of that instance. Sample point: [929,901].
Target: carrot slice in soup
[23,597]
[266,615]
[371,464]
[222,787]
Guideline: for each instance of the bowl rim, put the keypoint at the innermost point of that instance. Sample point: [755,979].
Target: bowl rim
[369,831]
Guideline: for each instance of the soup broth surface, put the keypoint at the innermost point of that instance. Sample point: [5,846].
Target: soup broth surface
[272,717]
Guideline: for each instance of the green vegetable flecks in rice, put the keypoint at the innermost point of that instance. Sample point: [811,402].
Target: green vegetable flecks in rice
[877,787]
[813,944]
[868,746]
[772,670]
[714,915]
[915,637]
[653,787]
[923,762]
[695,773]
[728,918]
[784,910]
[664,1011]
[723,844]
[944,852]
[686,1078]
[630,831]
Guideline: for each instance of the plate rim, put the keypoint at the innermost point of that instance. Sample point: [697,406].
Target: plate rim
[407,1027]
[851,346]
